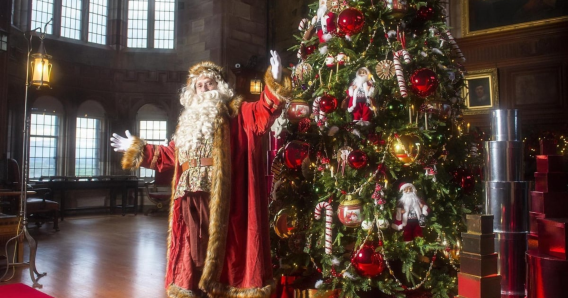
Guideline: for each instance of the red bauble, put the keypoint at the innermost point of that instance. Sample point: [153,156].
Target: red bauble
[424,82]
[305,51]
[357,159]
[294,153]
[425,13]
[464,179]
[367,262]
[328,103]
[350,21]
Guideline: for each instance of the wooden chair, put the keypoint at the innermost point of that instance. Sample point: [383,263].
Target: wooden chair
[39,208]
[159,191]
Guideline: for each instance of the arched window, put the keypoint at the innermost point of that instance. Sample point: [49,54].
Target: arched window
[88,135]
[153,127]
[45,132]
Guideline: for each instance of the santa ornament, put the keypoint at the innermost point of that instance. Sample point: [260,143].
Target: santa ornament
[360,95]
[410,214]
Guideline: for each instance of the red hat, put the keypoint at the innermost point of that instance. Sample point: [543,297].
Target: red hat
[405,185]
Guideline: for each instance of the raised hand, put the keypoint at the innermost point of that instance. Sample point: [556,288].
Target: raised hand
[121,144]
[276,66]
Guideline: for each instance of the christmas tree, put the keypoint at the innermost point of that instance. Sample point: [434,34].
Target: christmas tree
[377,168]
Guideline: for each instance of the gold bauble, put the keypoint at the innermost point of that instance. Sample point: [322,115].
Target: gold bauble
[286,222]
[405,147]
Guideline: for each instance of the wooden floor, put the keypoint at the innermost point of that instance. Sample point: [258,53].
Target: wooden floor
[110,256]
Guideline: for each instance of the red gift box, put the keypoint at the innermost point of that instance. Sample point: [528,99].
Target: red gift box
[533,223]
[550,182]
[472,286]
[546,276]
[553,204]
[549,163]
[552,236]
[547,147]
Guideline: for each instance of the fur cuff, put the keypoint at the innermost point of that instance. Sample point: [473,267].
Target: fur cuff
[234,105]
[175,291]
[282,90]
[218,290]
[134,155]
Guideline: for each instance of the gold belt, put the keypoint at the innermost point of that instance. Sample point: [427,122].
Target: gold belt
[194,162]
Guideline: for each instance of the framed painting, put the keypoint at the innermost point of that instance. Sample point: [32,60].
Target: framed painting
[482,91]
[482,16]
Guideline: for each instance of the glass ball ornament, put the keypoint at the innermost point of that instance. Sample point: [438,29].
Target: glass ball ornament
[357,159]
[424,82]
[328,103]
[367,262]
[298,110]
[350,212]
[350,21]
[286,222]
[406,148]
[294,154]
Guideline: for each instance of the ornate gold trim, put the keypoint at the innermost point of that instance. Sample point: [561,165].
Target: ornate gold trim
[465,23]
[491,74]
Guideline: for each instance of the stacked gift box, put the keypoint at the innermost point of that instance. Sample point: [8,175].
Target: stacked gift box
[507,199]
[478,261]
[547,258]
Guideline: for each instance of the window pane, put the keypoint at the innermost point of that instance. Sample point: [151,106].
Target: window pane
[153,132]
[164,24]
[97,21]
[42,12]
[137,24]
[87,147]
[71,19]
[43,145]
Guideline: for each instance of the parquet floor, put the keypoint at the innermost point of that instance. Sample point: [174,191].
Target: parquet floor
[100,256]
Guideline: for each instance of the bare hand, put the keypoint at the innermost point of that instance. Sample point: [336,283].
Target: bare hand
[276,66]
[121,144]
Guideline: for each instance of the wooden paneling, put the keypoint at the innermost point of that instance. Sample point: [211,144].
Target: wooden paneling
[532,68]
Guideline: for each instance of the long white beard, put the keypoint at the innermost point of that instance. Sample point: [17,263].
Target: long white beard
[196,122]
[410,202]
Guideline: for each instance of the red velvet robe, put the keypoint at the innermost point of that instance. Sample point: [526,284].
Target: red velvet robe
[247,268]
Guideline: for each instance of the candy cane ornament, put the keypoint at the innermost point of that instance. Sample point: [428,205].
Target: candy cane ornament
[455,46]
[318,114]
[328,219]
[398,72]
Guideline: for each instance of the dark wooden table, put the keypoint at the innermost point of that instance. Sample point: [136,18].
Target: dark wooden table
[115,184]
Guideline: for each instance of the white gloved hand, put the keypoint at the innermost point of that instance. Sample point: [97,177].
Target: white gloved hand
[276,66]
[121,144]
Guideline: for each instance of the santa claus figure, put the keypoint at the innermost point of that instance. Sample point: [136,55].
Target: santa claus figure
[325,24]
[411,212]
[360,95]
[218,242]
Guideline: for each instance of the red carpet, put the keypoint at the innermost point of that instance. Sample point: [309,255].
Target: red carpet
[21,291]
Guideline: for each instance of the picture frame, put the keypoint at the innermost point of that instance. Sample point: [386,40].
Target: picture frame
[482,91]
[483,17]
